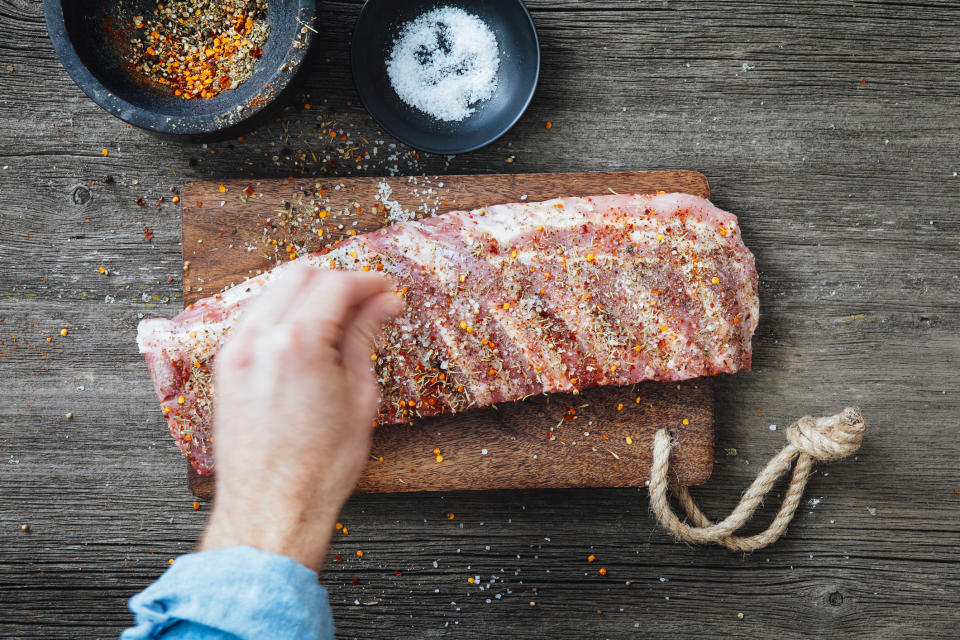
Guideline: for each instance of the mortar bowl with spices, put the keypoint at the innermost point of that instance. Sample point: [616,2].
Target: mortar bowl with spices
[182,67]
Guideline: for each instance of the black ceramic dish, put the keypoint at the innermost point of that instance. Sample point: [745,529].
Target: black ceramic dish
[87,35]
[373,36]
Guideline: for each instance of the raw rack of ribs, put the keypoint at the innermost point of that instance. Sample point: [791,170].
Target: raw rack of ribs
[509,301]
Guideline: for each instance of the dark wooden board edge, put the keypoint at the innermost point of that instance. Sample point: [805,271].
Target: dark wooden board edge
[462,445]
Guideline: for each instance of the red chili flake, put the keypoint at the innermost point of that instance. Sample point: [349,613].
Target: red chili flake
[148,234]
[398,574]
[355,581]
[248,190]
[199,204]
[338,558]
[141,201]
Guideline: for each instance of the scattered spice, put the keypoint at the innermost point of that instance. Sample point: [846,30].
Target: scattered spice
[197,48]
[63,333]
[196,505]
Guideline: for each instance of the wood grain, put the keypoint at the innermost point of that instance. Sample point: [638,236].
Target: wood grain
[836,147]
[536,443]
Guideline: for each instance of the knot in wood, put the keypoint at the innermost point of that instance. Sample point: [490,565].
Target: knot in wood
[80,195]
[830,438]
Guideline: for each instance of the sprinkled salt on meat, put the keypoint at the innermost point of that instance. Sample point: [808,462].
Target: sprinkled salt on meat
[509,301]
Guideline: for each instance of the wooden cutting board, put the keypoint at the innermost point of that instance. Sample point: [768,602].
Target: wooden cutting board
[561,440]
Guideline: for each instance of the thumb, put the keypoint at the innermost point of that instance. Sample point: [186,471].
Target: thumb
[356,346]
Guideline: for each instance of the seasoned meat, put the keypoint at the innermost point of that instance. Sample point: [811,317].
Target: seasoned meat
[509,301]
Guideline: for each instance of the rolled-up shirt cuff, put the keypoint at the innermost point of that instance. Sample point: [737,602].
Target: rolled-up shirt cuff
[239,592]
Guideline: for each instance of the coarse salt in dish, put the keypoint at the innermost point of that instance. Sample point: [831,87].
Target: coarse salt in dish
[444,62]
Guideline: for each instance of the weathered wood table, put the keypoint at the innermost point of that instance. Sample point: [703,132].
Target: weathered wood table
[831,128]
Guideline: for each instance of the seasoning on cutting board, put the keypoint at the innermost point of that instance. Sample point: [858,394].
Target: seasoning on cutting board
[444,62]
[197,48]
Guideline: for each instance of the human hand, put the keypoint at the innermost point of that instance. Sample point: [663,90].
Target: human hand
[293,411]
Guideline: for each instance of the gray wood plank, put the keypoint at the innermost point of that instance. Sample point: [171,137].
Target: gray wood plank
[847,194]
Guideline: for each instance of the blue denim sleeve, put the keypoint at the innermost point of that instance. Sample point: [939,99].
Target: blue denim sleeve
[229,594]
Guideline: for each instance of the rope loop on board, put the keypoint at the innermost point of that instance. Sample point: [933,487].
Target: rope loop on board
[809,440]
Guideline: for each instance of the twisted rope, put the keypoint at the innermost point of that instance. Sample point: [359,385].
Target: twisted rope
[809,439]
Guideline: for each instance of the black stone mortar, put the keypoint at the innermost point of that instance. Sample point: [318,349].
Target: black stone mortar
[88,38]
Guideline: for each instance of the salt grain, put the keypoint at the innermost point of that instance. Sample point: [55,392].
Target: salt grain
[395,211]
[444,63]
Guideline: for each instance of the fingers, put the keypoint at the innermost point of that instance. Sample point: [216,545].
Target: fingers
[340,294]
[357,343]
[317,301]
[327,318]
[356,347]
[279,296]
[328,307]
